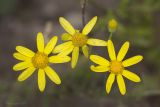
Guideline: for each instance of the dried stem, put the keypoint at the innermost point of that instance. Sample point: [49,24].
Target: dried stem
[47,30]
[83,6]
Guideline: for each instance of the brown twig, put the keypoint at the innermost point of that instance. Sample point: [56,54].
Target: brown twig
[47,30]
[83,6]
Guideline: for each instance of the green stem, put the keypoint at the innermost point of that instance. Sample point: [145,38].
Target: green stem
[110,36]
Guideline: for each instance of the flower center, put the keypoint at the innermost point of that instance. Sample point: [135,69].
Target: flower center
[116,67]
[79,39]
[40,60]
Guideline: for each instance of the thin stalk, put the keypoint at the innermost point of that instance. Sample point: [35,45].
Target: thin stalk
[83,6]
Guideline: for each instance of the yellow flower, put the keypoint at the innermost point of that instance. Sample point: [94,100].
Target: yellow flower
[116,66]
[39,60]
[112,25]
[76,40]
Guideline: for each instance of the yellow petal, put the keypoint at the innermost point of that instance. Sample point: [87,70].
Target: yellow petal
[40,42]
[20,56]
[41,80]
[132,60]
[25,74]
[121,84]
[25,51]
[66,37]
[62,47]
[123,51]
[85,50]
[21,66]
[52,75]
[88,27]
[99,68]
[50,46]
[67,51]
[75,55]
[67,26]
[109,82]
[111,50]
[99,60]
[96,42]
[131,76]
[59,59]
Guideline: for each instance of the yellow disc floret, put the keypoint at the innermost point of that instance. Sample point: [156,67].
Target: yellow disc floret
[40,60]
[116,67]
[79,39]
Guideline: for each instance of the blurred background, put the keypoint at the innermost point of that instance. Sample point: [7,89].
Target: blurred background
[139,23]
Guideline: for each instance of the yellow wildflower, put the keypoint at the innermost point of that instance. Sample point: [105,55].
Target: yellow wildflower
[76,40]
[116,66]
[39,60]
[112,25]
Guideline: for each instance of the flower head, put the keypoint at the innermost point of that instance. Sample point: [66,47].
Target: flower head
[39,60]
[76,39]
[112,25]
[116,66]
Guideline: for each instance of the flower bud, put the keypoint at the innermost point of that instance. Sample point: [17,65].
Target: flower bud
[112,25]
